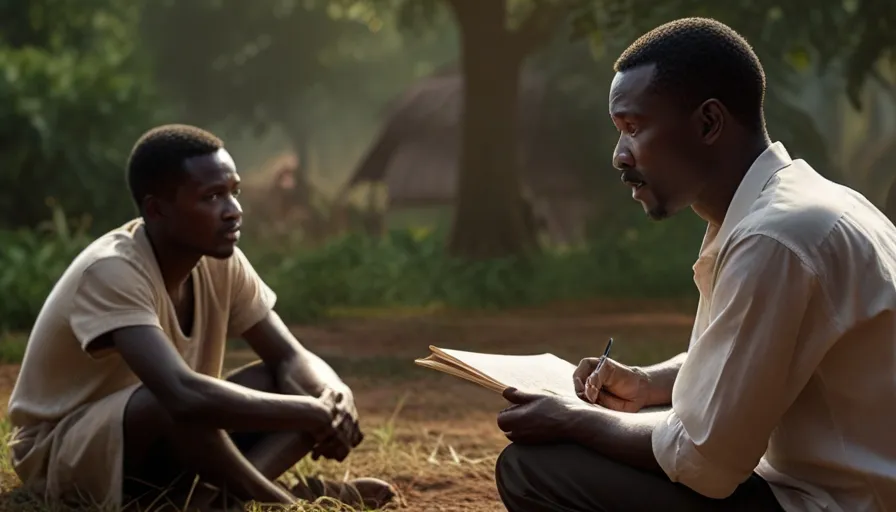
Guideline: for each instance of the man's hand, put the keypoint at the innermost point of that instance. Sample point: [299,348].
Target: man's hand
[346,431]
[539,418]
[297,371]
[614,386]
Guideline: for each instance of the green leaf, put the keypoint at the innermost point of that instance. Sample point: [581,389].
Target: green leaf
[799,58]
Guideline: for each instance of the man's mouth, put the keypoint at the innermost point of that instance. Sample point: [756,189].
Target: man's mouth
[632,180]
[233,234]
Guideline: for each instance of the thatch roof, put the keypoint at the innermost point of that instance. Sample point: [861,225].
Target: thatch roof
[416,152]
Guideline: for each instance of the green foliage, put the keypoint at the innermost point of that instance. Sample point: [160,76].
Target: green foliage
[30,263]
[786,40]
[72,101]
[285,63]
[786,35]
[12,350]
[406,268]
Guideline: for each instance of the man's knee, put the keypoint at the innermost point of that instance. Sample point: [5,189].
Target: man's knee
[524,480]
[256,375]
[513,471]
[506,463]
[146,424]
[555,476]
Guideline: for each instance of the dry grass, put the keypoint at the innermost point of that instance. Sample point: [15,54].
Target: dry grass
[437,465]
[433,436]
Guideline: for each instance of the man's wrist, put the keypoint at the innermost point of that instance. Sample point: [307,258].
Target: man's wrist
[656,395]
[588,423]
[290,379]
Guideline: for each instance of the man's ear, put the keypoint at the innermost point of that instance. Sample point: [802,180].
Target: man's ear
[710,118]
[153,208]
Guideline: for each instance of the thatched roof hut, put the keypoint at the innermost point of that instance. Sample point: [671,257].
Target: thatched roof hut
[416,154]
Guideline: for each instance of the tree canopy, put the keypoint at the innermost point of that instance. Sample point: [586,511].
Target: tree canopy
[271,63]
[79,83]
[75,95]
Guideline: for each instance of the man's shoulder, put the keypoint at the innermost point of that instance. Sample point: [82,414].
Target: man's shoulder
[804,211]
[798,205]
[120,254]
[111,271]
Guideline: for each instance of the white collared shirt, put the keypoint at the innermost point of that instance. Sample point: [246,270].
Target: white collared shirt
[791,370]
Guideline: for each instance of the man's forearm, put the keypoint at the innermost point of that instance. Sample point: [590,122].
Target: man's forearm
[624,437]
[306,373]
[224,405]
[662,378]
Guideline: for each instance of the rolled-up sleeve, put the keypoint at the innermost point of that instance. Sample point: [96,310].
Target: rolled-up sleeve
[745,369]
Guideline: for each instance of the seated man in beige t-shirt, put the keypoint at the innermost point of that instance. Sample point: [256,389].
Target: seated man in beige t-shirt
[121,381]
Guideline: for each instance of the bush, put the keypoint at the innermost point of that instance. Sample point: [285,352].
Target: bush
[75,94]
[30,264]
[406,268]
[410,268]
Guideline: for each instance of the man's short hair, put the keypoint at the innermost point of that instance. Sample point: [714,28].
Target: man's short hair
[157,159]
[699,58]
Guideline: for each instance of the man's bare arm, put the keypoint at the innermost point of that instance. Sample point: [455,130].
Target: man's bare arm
[542,418]
[661,377]
[621,436]
[291,362]
[198,399]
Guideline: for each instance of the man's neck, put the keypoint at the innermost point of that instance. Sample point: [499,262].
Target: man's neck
[712,206]
[175,264]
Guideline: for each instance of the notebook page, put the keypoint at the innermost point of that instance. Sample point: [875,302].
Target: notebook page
[543,372]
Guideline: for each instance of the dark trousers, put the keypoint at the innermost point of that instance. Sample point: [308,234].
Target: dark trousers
[571,478]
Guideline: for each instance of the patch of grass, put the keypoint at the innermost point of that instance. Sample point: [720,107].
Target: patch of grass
[432,435]
[402,453]
[12,348]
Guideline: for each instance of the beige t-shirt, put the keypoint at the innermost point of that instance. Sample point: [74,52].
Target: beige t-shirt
[115,283]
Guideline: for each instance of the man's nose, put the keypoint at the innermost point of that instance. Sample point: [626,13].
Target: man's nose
[622,158]
[233,210]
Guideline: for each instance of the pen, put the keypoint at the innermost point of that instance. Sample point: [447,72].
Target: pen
[604,357]
[600,363]
[597,368]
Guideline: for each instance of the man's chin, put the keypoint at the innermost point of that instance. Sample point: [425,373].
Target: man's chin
[656,212]
[222,252]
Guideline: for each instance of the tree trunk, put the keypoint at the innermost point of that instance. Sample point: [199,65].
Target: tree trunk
[490,212]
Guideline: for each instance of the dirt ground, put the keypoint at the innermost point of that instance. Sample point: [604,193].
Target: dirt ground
[435,436]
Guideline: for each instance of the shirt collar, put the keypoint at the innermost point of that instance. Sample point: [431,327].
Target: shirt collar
[772,160]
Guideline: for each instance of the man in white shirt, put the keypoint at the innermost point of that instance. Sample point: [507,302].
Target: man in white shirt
[784,399]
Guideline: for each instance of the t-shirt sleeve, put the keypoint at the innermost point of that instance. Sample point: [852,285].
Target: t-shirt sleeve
[251,299]
[111,294]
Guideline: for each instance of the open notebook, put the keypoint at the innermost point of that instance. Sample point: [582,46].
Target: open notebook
[497,372]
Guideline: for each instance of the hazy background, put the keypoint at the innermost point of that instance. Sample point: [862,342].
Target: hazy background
[406,153]
[417,172]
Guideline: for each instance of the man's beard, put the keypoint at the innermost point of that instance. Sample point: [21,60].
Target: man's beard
[658,213]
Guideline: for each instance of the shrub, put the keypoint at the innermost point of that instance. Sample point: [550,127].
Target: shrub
[406,268]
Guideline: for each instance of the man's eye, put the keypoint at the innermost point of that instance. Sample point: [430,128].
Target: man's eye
[236,193]
[631,130]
